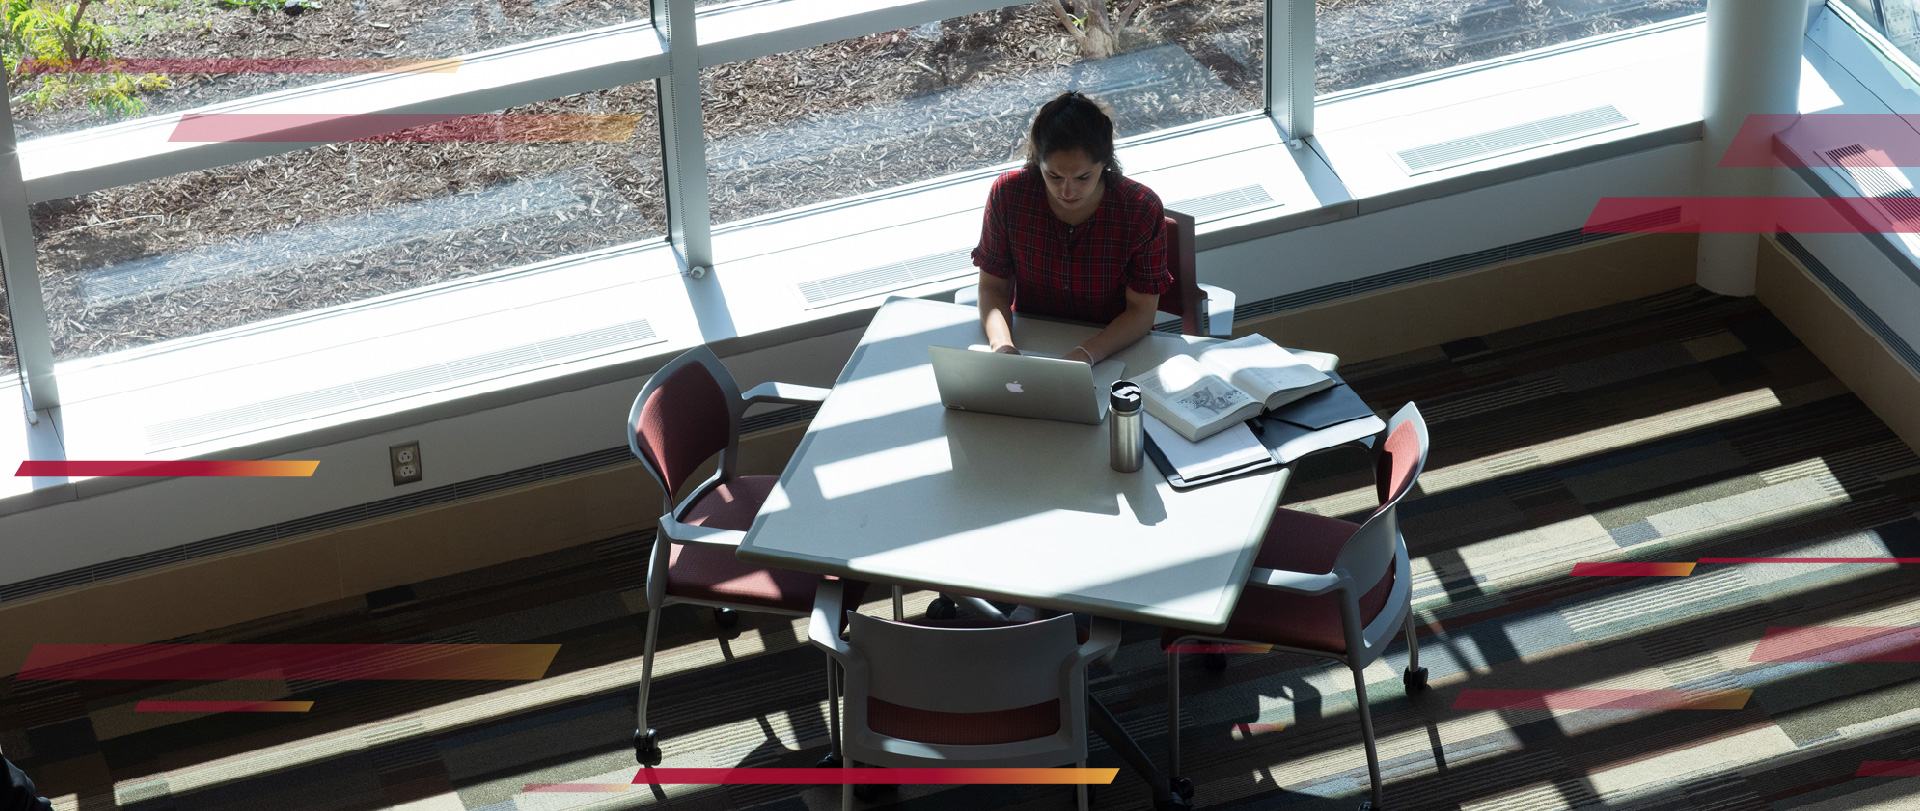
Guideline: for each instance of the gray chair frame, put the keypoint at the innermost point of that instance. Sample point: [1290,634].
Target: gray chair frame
[1376,545]
[672,530]
[961,670]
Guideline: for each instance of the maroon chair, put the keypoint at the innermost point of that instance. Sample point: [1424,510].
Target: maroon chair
[1203,308]
[1326,587]
[688,412]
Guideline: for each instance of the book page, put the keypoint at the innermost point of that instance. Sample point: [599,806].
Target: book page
[1262,368]
[1179,390]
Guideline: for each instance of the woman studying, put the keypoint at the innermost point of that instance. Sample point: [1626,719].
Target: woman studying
[1068,236]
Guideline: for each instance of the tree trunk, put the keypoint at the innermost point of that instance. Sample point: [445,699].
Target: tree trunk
[1093,33]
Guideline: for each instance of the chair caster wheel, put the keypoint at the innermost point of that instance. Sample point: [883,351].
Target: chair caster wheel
[1366,805]
[942,609]
[830,761]
[646,746]
[726,617]
[1416,679]
[1215,662]
[1182,787]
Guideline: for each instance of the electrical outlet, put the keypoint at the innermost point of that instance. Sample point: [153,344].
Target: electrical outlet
[405,459]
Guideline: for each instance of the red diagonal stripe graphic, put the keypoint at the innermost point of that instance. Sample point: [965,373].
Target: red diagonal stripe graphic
[280,662]
[1785,643]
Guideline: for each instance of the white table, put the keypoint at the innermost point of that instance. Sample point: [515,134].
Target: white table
[889,486]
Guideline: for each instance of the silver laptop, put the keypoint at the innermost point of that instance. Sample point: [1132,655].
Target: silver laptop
[1034,386]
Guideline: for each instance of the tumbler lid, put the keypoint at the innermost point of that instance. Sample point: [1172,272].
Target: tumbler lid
[1126,396]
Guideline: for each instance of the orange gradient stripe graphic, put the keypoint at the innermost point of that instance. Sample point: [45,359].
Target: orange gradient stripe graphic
[841,777]
[223,706]
[1786,643]
[1602,699]
[1889,768]
[181,468]
[405,128]
[1631,569]
[280,662]
[287,65]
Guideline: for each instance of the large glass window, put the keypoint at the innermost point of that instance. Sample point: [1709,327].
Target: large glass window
[1897,20]
[186,52]
[1364,42]
[337,223]
[879,111]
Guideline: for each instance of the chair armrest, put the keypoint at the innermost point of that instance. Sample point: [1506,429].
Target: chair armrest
[792,393]
[1102,642]
[1296,582]
[823,630]
[688,533]
[1219,310]
[967,295]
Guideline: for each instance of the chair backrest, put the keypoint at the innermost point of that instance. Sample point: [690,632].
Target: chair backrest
[1375,547]
[687,412]
[1185,299]
[1002,690]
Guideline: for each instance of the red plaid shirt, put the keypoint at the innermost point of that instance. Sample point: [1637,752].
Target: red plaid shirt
[1074,271]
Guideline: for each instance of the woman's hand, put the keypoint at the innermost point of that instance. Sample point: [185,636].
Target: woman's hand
[1007,349]
[1079,353]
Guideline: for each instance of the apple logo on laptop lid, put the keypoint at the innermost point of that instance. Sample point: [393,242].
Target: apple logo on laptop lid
[1014,387]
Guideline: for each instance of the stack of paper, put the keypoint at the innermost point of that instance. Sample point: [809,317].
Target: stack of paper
[1233,448]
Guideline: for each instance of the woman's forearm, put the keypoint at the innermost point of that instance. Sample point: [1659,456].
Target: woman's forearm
[1129,326]
[996,310]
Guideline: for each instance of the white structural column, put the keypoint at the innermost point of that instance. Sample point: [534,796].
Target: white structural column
[1290,66]
[31,340]
[1753,67]
[683,139]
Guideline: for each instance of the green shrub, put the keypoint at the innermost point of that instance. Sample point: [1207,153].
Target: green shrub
[45,34]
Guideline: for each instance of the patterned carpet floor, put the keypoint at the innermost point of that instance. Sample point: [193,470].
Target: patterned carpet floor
[1673,428]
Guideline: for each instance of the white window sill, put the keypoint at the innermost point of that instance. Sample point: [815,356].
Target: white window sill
[751,299]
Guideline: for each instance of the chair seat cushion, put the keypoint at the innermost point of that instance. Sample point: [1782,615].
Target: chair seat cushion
[714,573]
[1297,542]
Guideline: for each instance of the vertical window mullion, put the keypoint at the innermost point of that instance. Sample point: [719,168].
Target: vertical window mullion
[32,342]
[683,141]
[1290,66]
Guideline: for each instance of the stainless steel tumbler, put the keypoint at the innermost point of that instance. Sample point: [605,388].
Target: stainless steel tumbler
[1124,426]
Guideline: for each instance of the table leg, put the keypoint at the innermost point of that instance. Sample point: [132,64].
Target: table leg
[1109,729]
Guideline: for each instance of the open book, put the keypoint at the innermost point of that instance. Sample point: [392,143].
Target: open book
[1227,383]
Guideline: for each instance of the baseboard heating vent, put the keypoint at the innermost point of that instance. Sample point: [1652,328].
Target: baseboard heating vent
[1508,140]
[894,276]
[1853,302]
[419,379]
[1890,190]
[1229,201]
